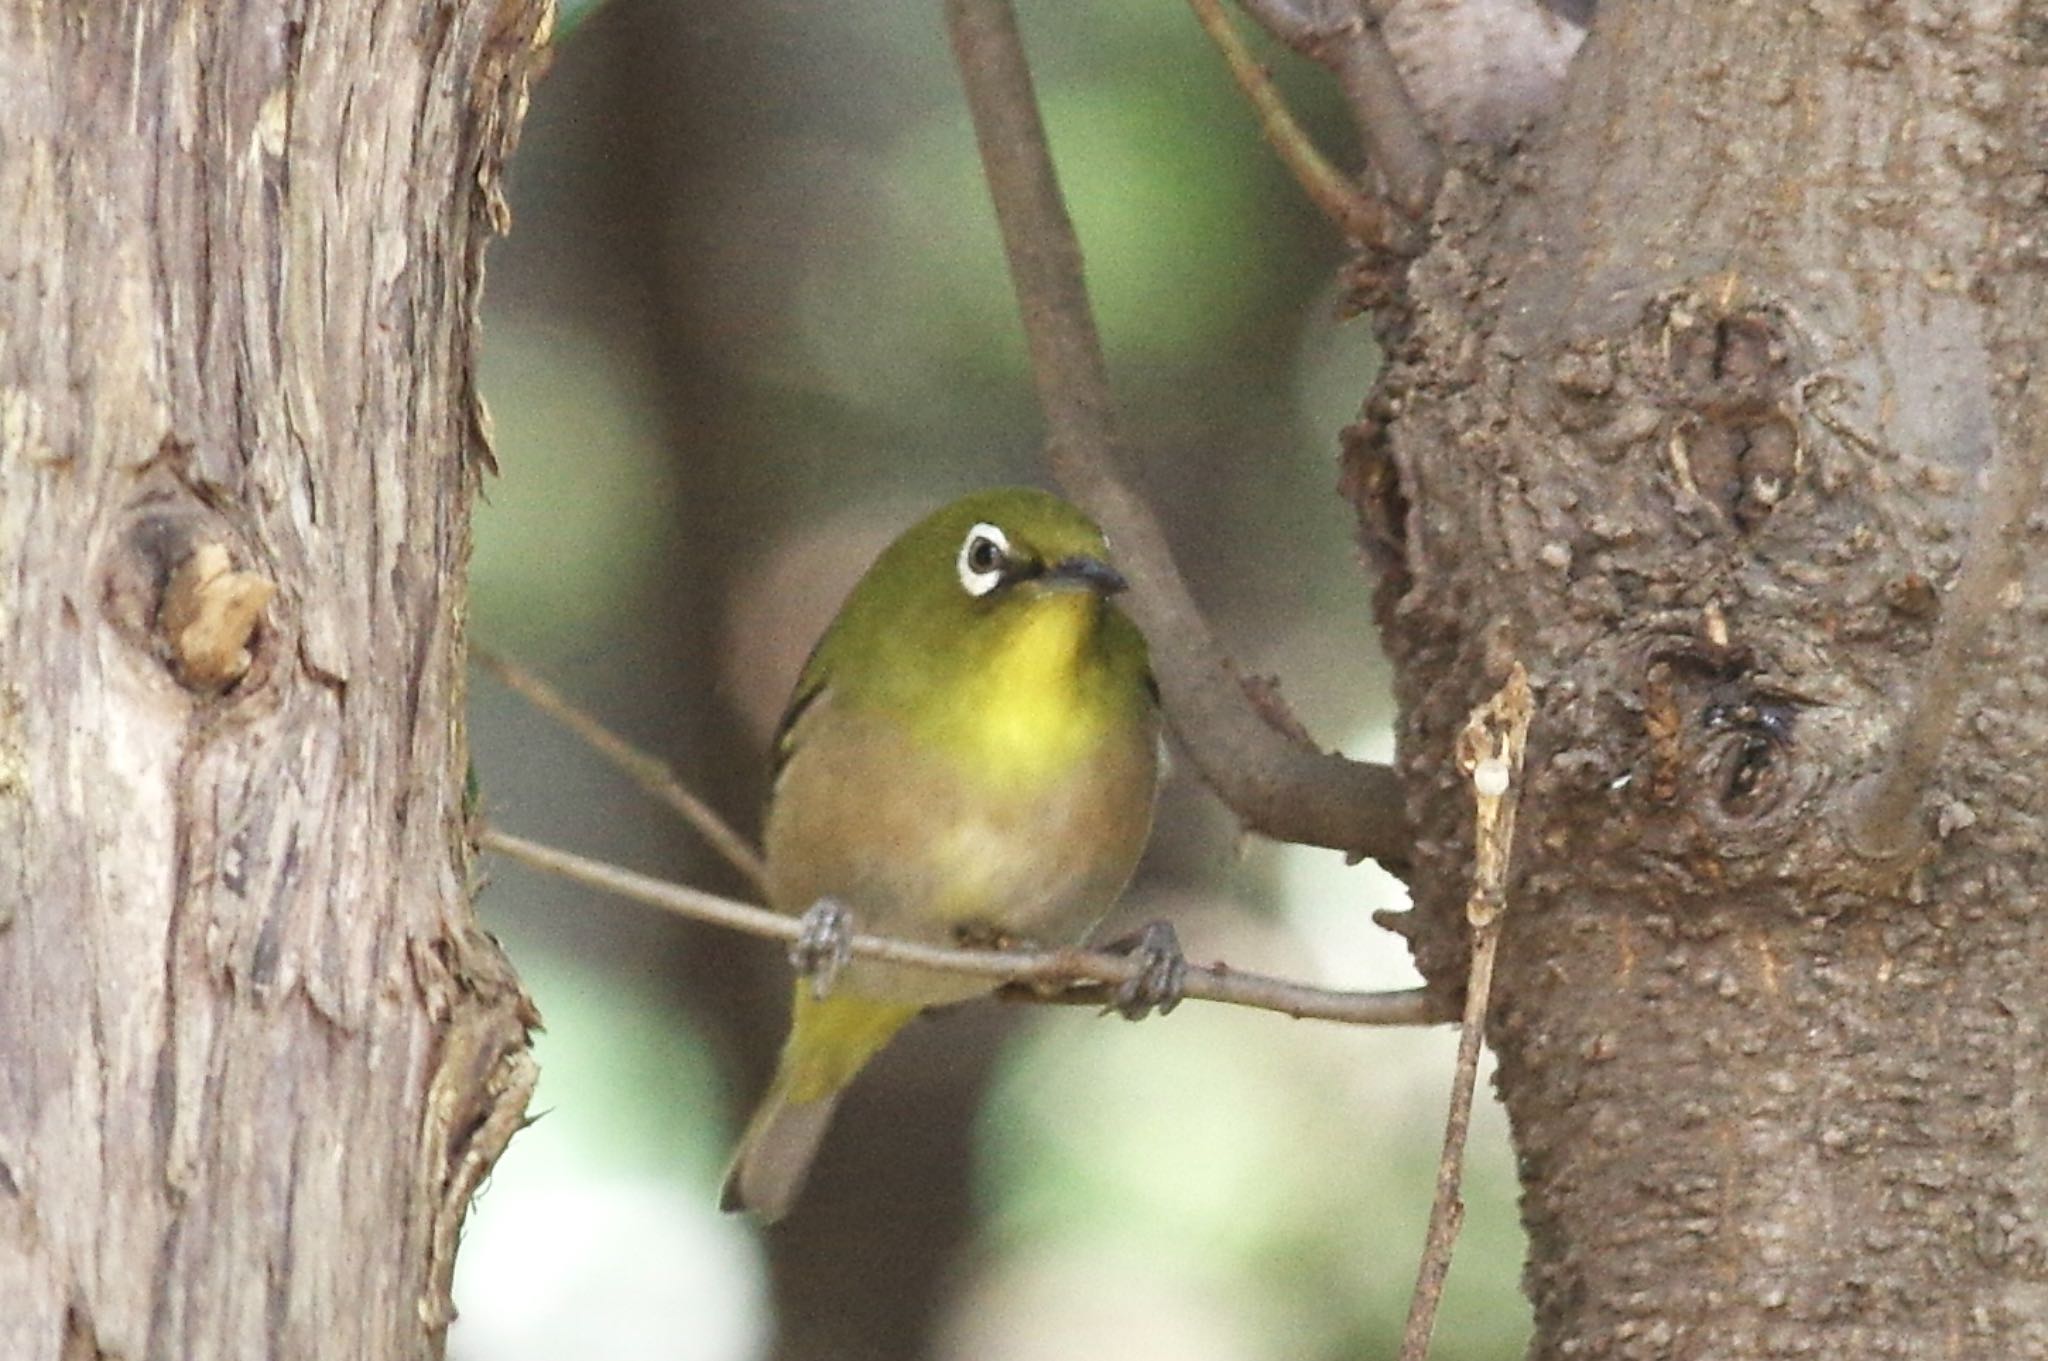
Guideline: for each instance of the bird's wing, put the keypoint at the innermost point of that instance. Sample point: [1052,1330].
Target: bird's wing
[810,686]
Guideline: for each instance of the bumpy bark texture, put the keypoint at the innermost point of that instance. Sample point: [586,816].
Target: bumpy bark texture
[254,1052]
[1692,415]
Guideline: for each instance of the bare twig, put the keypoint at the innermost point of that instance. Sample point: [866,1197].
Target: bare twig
[1490,753]
[1883,825]
[1277,786]
[1397,142]
[1359,215]
[656,777]
[1060,975]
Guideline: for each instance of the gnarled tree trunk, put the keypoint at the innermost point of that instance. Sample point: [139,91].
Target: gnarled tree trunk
[1694,418]
[254,1052]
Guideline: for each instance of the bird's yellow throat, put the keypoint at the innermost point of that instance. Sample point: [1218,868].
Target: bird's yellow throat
[1040,705]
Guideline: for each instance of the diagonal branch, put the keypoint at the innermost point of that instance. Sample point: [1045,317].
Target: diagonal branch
[1397,142]
[655,776]
[1278,786]
[1490,754]
[1361,216]
[1882,823]
[1044,975]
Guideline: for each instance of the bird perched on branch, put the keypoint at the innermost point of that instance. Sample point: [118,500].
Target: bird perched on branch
[969,758]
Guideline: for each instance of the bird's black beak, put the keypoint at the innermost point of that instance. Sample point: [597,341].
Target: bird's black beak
[1084,573]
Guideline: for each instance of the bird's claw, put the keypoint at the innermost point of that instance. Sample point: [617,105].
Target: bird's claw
[823,944]
[1157,985]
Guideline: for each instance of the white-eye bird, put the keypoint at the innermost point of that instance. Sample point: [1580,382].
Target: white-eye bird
[970,755]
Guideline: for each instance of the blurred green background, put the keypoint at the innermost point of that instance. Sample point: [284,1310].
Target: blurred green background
[751,322]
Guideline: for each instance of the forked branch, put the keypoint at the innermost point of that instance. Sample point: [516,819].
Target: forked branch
[655,776]
[1342,36]
[1361,216]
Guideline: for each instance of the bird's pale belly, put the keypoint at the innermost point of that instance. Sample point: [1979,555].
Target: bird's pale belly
[936,853]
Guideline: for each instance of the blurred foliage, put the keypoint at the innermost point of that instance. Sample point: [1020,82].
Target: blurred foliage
[563,547]
[594,1245]
[1280,1171]
[637,1101]
[1168,212]
[570,14]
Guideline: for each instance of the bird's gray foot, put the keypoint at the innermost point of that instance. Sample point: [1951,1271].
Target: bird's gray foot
[823,944]
[1156,986]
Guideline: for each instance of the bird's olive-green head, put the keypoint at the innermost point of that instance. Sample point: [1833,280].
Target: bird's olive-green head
[991,615]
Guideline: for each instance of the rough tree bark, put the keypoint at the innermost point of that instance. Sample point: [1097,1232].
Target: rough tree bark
[254,1052]
[1692,414]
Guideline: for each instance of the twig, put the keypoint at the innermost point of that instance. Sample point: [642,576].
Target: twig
[1359,215]
[656,777]
[1397,142]
[1075,977]
[1882,825]
[1277,786]
[1490,753]
[1051,972]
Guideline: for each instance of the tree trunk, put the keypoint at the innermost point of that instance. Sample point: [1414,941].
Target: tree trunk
[254,1052]
[1693,416]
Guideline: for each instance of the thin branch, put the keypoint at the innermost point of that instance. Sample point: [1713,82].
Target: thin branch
[1046,977]
[1397,142]
[1359,215]
[655,776]
[1490,753]
[1883,825]
[1282,788]
[1053,973]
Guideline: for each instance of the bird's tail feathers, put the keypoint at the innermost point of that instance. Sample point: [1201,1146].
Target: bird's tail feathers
[829,1041]
[775,1155]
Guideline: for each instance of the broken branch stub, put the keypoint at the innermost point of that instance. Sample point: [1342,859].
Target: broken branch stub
[209,616]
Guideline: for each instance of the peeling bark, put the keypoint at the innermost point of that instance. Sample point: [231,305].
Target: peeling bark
[1692,416]
[254,1052]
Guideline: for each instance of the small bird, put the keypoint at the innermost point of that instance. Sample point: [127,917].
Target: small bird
[970,756]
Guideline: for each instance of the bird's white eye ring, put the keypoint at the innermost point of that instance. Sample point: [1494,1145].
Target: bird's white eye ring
[983,556]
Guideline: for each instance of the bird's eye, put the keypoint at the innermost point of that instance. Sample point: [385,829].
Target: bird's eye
[982,557]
